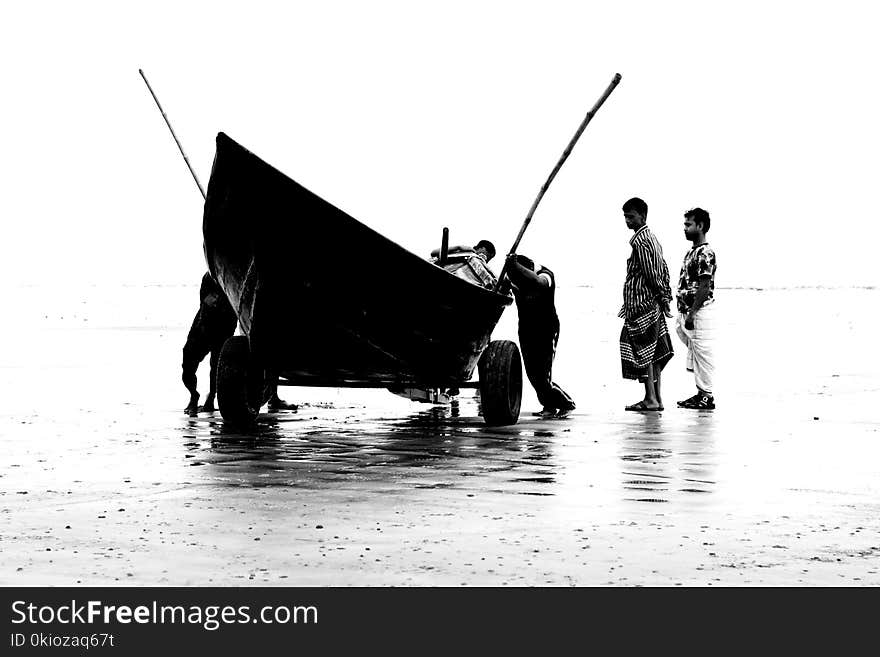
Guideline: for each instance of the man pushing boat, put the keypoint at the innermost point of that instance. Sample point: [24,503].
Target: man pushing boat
[534,288]
[213,324]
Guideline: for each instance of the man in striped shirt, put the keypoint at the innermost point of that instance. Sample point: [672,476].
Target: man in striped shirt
[645,346]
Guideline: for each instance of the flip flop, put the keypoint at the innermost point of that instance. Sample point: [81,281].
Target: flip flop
[640,407]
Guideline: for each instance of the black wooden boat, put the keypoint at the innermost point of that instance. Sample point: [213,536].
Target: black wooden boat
[323,300]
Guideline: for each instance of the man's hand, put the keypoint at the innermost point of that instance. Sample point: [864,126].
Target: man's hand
[689,322]
[513,267]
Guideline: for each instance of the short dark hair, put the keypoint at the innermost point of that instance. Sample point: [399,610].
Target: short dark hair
[700,216]
[637,204]
[486,244]
[526,262]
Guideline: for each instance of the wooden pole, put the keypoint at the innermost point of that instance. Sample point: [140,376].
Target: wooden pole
[565,154]
[185,159]
[444,247]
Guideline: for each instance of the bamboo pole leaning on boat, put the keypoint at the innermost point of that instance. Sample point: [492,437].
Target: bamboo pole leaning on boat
[614,82]
[185,159]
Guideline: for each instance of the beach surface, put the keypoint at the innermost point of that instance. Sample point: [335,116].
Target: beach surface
[105,481]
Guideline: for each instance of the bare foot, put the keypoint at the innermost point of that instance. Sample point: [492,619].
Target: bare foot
[193,407]
[278,404]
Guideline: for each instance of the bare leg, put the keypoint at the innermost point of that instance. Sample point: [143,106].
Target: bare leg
[189,380]
[208,406]
[193,353]
[657,390]
[275,402]
[651,399]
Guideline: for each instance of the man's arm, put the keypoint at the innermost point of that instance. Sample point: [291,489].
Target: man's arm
[652,265]
[522,276]
[458,248]
[702,293]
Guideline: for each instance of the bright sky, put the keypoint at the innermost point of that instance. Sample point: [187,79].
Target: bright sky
[412,116]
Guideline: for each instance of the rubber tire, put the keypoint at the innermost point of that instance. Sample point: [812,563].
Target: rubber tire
[235,382]
[500,369]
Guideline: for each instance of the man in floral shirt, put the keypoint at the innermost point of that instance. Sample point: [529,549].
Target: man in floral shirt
[695,298]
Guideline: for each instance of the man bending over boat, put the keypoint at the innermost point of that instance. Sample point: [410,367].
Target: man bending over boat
[534,289]
[470,262]
[213,324]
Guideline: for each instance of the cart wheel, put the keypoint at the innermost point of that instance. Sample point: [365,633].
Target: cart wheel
[239,386]
[500,371]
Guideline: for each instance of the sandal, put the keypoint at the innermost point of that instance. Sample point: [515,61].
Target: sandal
[641,407]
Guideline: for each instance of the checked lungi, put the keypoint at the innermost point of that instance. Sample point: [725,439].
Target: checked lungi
[644,339]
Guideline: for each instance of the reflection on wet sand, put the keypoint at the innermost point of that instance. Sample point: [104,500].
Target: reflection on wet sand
[662,457]
[435,448]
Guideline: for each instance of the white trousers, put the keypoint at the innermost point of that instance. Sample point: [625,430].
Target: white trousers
[700,358]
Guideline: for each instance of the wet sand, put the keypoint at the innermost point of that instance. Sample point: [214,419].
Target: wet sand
[106,481]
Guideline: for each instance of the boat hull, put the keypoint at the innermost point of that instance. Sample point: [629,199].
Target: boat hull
[326,300]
